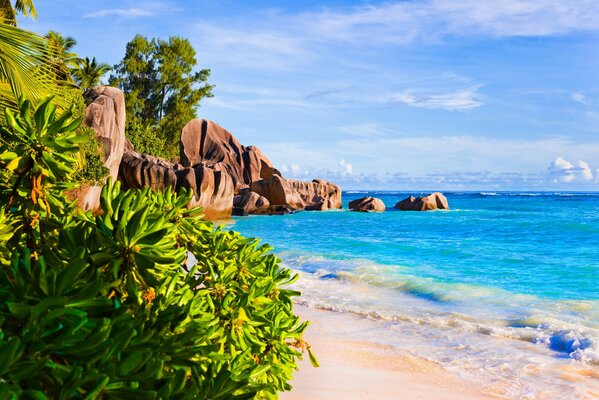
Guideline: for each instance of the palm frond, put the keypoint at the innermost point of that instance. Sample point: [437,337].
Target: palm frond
[23,61]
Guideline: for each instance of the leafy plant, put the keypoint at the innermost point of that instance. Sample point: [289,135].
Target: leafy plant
[110,305]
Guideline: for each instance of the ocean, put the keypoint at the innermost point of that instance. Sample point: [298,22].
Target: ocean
[502,289]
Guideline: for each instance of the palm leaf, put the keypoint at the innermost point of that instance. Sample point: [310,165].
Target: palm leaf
[8,12]
[23,62]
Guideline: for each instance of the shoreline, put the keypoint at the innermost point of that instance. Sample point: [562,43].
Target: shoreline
[354,368]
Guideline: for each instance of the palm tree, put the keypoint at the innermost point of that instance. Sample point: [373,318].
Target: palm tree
[62,57]
[88,73]
[8,11]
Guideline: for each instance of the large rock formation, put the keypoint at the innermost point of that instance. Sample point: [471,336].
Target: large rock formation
[206,143]
[318,194]
[213,190]
[141,170]
[248,202]
[213,164]
[366,204]
[433,201]
[279,192]
[105,115]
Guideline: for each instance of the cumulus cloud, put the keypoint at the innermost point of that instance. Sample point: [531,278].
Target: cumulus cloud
[565,171]
[347,167]
[119,12]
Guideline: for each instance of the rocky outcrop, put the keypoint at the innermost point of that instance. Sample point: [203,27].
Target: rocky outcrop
[318,195]
[367,204]
[222,173]
[433,201]
[279,192]
[141,170]
[248,202]
[105,115]
[204,142]
[213,190]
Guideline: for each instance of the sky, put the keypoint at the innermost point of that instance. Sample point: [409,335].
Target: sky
[396,95]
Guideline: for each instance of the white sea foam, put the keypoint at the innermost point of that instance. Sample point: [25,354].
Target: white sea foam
[527,346]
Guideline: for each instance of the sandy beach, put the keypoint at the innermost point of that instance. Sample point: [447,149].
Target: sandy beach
[352,368]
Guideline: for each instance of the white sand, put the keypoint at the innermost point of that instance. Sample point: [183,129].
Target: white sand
[351,368]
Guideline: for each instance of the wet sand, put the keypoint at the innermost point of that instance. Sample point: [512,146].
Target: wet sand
[351,368]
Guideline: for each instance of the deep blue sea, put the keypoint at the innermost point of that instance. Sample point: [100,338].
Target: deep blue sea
[510,277]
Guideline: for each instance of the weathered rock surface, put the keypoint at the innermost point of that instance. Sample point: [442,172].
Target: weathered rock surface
[213,190]
[433,201]
[207,143]
[141,170]
[279,192]
[248,202]
[366,204]
[299,195]
[318,195]
[106,116]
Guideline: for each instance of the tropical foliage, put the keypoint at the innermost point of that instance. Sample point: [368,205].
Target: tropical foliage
[88,73]
[111,306]
[9,10]
[24,65]
[62,56]
[114,305]
[162,90]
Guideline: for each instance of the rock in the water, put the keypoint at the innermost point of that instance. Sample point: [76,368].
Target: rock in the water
[249,203]
[433,201]
[213,190]
[205,142]
[106,116]
[367,204]
[318,195]
[279,192]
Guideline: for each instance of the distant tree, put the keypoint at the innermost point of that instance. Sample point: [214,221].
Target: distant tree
[63,58]
[88,73]
[161,86]
[9,11]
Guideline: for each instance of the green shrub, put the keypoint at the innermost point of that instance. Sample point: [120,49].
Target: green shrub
[147,139]
[107,305]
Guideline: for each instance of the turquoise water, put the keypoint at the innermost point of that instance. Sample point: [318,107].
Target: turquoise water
[521,266]
[540,244]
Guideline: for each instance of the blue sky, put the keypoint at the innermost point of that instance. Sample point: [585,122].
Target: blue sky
[432,94]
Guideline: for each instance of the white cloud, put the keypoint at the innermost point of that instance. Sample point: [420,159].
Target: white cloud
[580,98]
[278,40]
[296,169]
[406,22]
[455,101]
[419,155]
[119,12]
[347,167]
[564,171]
